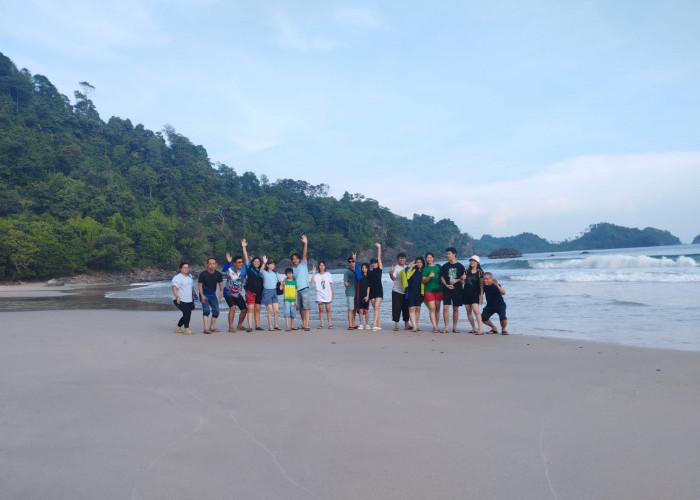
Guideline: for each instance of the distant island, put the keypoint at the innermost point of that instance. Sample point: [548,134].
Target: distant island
[82,195]
[696,240]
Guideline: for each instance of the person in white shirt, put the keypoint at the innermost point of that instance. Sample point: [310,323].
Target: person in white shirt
[324,291]
[399,307]
[183,297]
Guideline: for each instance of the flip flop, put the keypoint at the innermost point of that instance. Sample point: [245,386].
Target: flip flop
[456,331]
[444,331]
[330,327]
[479,333]
[504,333]
[277,328]
[472,331]
[396,329]
[494,332]
[295,328]
[214,330]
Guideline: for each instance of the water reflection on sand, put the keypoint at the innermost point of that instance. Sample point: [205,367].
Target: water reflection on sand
[87,297]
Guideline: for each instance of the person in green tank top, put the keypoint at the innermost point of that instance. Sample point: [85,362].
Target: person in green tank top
[433,289]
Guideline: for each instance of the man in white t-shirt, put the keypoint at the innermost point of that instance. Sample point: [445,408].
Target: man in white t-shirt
[399,307]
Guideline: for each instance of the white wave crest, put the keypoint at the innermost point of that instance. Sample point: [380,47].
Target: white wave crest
[616,261]
[627,277]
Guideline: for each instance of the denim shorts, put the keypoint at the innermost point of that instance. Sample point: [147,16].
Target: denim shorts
[290,310]
[351,303]
[269,296]
[211,305]
[303,300]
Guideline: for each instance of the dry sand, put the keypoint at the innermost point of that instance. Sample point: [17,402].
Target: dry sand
[114,405]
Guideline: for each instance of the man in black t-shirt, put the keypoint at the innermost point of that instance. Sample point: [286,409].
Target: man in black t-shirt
[209,279]
[452,277]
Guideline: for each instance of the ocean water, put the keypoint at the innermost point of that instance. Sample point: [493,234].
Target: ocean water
[647,297]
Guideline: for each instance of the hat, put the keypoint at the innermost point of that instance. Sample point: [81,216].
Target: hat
[476,258]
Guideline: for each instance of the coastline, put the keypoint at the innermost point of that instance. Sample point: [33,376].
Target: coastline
[113,401]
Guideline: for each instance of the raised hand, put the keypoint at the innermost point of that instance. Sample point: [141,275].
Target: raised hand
[244,243]
[304,238]
[228,257]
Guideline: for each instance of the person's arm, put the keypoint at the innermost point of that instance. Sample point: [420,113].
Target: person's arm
[244,244]
[391,272]
[306,247]
[426,279]
[481,289]
[313,275]
[499,287]
[201,293]
[221,289]
[227,266]
[447,285]
[379,254]
[358,268]
[177,295]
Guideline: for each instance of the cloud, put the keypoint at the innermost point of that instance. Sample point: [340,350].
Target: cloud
[562,199]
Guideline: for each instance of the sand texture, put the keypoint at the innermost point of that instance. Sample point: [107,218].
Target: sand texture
[114,405]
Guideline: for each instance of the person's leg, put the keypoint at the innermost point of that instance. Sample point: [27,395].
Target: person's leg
[268,307]
[504,323]
[480,331]
[276,314]
[376,302]
[206,311]
[328,314]
[455,318]
[258,321]
[412,311]
[186,314]
[396,308]
[214,303]
[470,317]
[231,313]
[446,316]
[486,318]
[432,305]
[242,315]
[404,312]
[320,314]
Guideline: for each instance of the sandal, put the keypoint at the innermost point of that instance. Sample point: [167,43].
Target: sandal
[277,328]
[444,331]
[472,331]
[504,333]
[456,331]
[214,330]
[494,332]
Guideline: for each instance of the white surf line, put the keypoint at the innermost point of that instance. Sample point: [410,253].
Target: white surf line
[544,462]
[273,456]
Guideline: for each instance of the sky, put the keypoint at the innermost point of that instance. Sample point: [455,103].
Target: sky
[503,116]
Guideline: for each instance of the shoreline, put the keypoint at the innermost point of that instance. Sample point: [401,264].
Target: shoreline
[114,401]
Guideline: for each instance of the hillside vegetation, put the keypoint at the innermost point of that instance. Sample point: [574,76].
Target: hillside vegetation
[79,194]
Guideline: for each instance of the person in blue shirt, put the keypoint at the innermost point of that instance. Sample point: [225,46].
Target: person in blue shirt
[301,276]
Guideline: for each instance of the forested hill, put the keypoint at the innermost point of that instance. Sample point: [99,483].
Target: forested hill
[596,236]
[78,194]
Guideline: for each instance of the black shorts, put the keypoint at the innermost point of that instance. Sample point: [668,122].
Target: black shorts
[452,297]
[236,301]
[491,310]
[470,297]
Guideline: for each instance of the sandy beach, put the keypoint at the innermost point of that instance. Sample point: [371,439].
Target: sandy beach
[113,405]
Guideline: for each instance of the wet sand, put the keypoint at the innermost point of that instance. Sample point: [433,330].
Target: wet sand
[112,404]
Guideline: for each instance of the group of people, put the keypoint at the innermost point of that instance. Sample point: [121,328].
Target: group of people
[253,283]
[423,281]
